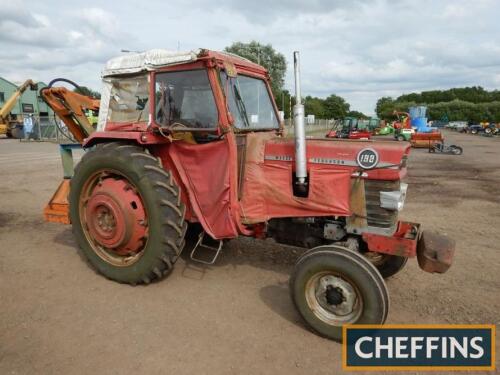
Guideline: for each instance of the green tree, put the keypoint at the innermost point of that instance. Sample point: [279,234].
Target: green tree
[335,107]
[314,106]
[472,104]
[268,57]
[83,90]
[384,107]
[357,114]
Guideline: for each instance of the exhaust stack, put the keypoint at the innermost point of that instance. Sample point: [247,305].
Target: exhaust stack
[299,125]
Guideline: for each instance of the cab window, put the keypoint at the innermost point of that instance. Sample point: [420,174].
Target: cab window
[185,98]
[249,102]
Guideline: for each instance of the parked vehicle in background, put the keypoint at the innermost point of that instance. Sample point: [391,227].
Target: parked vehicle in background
[491,128]
[446,149]
[474,129]
[456,125]
[350,128]
[402,127]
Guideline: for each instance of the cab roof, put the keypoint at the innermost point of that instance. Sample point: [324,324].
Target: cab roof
[158,58]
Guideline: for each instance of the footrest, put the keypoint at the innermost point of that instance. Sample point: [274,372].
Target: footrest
[200,244]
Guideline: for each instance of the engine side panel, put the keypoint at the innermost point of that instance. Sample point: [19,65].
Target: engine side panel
[267,190]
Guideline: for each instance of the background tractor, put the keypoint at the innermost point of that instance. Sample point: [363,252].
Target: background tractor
[192,139]
[350,128]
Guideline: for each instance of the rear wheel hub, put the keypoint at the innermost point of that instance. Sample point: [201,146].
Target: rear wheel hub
[115,217]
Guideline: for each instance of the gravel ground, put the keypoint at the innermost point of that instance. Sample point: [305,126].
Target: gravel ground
[58,316]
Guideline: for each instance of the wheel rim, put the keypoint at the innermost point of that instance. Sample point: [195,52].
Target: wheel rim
[113,218]
[333,299]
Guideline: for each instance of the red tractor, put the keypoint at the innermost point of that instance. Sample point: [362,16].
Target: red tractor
[348,128]
[194,138]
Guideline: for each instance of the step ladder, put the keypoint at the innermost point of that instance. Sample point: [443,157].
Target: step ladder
[201,245]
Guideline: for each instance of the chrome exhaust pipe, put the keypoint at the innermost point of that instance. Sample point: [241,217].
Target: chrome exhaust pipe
[299,125]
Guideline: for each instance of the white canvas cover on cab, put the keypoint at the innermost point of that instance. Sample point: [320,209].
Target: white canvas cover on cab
[135,63]
[148,60]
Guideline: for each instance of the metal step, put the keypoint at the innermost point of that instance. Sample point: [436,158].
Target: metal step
[201,245]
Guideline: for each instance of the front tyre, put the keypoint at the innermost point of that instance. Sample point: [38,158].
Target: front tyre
[332,286]
[126,212]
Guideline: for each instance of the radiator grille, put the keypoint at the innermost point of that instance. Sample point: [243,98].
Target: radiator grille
[376,215]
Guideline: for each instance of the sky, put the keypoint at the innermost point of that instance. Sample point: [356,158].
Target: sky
[360,50]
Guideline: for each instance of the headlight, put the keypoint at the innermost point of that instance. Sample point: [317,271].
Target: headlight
[394,200]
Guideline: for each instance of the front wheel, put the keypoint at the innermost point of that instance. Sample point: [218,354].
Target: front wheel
[332,286]
[127,214]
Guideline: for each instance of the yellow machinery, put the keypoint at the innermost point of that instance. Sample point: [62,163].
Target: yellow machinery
[7,126]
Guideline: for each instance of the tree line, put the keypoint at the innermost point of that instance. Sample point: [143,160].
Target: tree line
[473,104]
[330,107]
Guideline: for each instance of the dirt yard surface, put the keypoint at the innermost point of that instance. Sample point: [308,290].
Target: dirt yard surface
[57,316]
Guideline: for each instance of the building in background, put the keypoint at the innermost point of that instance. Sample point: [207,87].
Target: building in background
[30,102]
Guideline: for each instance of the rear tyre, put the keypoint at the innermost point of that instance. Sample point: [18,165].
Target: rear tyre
[332,286]
[401,138]
[127,213]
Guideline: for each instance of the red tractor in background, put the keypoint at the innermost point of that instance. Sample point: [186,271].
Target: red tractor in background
[348,128]
[193,138]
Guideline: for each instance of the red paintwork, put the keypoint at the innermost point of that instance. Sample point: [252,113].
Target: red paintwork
[426,140]
[344,150]
[359,134]
[114,215]
[212,196]
[141,138]
[267,187]
[331,134]
[402,243]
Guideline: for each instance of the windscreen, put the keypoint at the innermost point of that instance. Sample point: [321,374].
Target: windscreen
[249,102]
[185,98]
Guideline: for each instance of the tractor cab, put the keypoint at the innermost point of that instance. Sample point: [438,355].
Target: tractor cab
[202,93]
